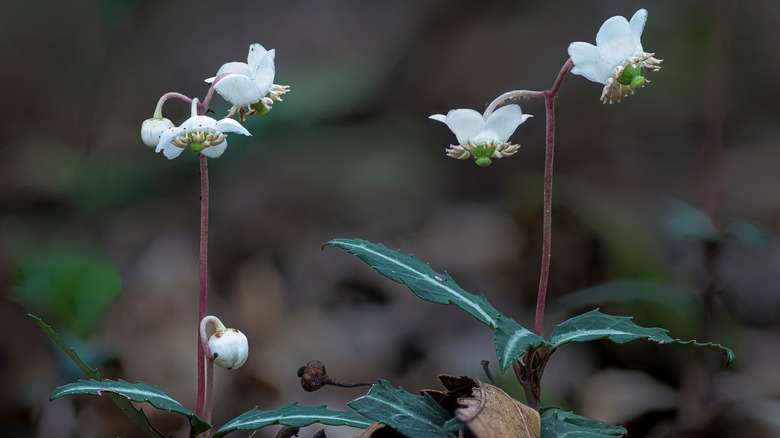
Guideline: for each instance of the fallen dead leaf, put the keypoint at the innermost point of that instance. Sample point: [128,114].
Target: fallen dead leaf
[491,413]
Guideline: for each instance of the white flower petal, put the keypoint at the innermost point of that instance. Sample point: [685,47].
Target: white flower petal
[637,25]
[239,90]
[166,137]
[438,117]
[465,123]
[256,53]
[615,41]
[485,136]
[215,151]
[166,147]
[199,122]
[230,125]
[588,62]
[172,151]
[504,121]
[238,68]
[264,71]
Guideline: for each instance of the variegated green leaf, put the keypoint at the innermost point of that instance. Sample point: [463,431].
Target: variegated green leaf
[619,329]
[136,415]
[419,277]
[138,392]
[411,415]
[512,341]
[560,424]
[293,415]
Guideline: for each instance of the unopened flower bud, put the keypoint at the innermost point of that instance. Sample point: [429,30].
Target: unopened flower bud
[152,129]
[229,348]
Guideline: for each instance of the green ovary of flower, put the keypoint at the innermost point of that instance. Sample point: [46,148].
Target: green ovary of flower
[482,153]
[631,76]
[197,138]
[260,109]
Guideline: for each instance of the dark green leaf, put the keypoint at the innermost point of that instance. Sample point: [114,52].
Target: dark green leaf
[411,415]
[596,325]
[419,278]
[512,341]
[92,373]
[293,415]
[137,415]
[558,424]
[138,392]
[619,329]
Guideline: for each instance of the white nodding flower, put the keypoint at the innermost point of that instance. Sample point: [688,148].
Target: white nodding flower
[153,129]
[200,134]
[617,59]
[483,138]
[229,348]
[249,86]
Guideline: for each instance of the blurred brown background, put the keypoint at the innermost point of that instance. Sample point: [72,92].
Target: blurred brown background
[350,153]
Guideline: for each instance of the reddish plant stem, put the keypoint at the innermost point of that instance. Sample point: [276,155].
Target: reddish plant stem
[549,155]
[204,243]
[172,95]
[530,368]
[209,389]
[562,74]
[207,100]
[511,95]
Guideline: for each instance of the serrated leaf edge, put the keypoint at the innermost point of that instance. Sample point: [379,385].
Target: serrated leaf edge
[343,243]
[384,384]
[284,420]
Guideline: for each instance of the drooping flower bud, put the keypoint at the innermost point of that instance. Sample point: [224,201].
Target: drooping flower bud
[229,348]
[152,129]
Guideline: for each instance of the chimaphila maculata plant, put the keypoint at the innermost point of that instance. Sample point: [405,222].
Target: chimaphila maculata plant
[467,406]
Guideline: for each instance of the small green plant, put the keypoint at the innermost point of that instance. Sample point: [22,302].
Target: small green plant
[466,406]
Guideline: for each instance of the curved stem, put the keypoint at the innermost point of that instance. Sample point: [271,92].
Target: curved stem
[511,95]
[164,98]
[207,100]
[204,343]
[567,66]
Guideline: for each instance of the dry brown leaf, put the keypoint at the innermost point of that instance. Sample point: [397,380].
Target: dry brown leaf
[492,413]
[456,387]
